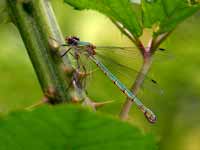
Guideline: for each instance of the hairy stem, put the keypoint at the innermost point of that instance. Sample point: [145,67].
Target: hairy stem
[36,23]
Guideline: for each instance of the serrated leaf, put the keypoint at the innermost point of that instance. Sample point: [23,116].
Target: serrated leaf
[166,13]
[69,127]
[118,10]
[180,14]
[152,12]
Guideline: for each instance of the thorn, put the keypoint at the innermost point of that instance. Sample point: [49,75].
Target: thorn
[76,100]
[100,104]
[89,103]
[40,103]
[53,44]
[95,105]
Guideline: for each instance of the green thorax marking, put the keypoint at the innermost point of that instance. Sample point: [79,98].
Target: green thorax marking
[82,43]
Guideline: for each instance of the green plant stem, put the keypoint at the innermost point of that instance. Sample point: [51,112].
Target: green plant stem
[135,87]
[36,23]
[147,54]
[157,40]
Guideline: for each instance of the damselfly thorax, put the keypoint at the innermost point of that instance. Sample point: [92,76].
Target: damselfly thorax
[81,47]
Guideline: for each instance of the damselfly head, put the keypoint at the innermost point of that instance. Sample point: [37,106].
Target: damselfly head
[72,40]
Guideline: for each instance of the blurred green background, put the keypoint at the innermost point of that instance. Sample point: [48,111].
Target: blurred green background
[178,125]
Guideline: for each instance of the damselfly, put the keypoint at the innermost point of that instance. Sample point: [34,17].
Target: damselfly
[88,49]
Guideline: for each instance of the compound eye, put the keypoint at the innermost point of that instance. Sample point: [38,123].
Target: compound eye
[76,38]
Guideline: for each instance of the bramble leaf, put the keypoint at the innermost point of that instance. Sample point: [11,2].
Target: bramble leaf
[160,15]
[166,14]
[117,10]
[69,127]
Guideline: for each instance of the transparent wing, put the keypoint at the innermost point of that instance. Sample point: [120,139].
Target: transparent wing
[131,53]
[153,86]
[116,48]
[118,60]
[162,55]
[128,75]
[123,55]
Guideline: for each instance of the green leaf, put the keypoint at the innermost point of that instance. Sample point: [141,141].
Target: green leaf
[117,10]
[69,127]
[152,12]
[4,17]
[167,14]
[180,13]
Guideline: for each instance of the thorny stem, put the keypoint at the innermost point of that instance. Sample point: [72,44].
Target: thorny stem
[36,23]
